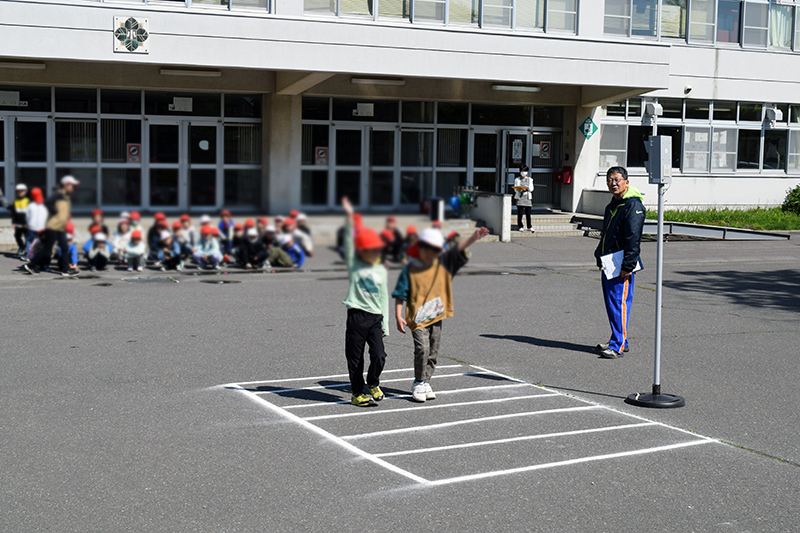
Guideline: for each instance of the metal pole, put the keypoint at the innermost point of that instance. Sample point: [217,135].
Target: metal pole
[659,277]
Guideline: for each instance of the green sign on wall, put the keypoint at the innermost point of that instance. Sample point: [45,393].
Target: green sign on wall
[588,128]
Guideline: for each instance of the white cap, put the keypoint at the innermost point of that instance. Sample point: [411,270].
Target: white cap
[270,229]
[284,238]
[125,215]
[69,180]
[432,237]
[99,237]
[164,235]
[205,219]
[21,187]
[251,232]
[301,216]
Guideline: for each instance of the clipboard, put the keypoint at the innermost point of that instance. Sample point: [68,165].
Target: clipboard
[612,264]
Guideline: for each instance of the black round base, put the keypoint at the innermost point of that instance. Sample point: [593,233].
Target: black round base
[655,401]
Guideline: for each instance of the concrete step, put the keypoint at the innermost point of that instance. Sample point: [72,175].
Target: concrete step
[548,233]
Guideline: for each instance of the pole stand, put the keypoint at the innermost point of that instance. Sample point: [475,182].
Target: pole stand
[656,400]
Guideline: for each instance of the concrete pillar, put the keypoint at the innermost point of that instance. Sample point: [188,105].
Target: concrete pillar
[568,160]
[587,157]
[284,152]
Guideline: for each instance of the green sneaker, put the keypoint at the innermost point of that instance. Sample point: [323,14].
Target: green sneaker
[362,400]
[377,393]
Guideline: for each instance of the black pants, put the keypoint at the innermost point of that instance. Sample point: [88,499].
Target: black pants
[44,255]
[364,328]
[19,235]
[100,262]
[523,209]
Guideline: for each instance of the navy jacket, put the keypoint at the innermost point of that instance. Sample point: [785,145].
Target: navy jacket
[622,228]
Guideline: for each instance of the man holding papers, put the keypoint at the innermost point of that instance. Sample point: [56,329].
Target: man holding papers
[618,256]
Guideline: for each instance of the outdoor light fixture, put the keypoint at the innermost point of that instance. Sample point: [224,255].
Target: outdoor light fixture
[198,73]
[377,81]
[26,66]
[518,88]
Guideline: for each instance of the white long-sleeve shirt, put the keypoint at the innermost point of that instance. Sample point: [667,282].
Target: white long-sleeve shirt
[36,215]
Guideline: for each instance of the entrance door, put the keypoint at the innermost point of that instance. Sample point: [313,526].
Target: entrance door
[486,160]
[545,162]
[184,165]
[28,153]
[515,154]
[364,166]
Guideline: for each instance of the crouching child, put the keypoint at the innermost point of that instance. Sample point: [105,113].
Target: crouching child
[99,252]
[425,287]
[136,252]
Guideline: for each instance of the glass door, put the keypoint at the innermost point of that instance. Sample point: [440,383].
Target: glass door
[167,165]
[32,147]
[515,150]
[348,165]
[485,160]
[382,161]
[545,162]
[203,158]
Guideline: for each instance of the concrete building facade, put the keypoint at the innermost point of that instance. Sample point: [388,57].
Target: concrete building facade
[281,104]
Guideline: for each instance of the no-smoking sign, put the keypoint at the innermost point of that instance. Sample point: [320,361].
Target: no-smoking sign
[544,149]
[134,153]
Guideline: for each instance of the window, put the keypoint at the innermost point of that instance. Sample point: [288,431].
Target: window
[562,15]
[616,109]
[676,134]
[780,26]
[756,24]
[637,137]
[697,110]
[775,150]
[696,149]
[416,148]
[794,151]
[724,110]
[728,17]
[613,143]
[749,112]
[463,12]
[262,5]
[644,15]
[673,19]
[749,149]
[530,14]
[673,107]
[723,149]
[701,21]
[396,9]
[497,13]
[617,20]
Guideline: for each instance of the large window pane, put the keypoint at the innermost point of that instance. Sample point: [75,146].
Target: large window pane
[617,18]
[637,137]
[348,147]
[447,183]
[696,149]
[723,149]
[416,148]
[615,109]
[452,113]
[122,186]
[202,187]
[697,109]
[243,144]
[76,141]
[397,9]
[414,187]
[775,150]
[673,19]
[452,148]
[530,14]
[729,14]
[418,112]
[382,110]
[76,100]
[750,112]
[548,116]
[501,115]
[780,26]
[562,15]
[117,135]
[31,141]
[463,12]
[243,105]
[348,183]
[380,187]
[25,98]
[643,18]
[251,4]
[613,144]
[117,102]
[497,13]
[315,108]
[485,150]
[315,141]
[33,177]
[243,187]
[357,8]
[429,11]
[749,148]
[794,151]
[86,193]
[382,148]
[676,134]
[163,187]
[795,110]
[701,21]
[314,187]
[163,143]
[724,110]
[673,107]
[755,24]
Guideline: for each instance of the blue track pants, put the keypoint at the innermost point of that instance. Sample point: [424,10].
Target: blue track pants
[618,296]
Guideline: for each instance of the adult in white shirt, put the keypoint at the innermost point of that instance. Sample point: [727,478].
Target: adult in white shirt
[524,197]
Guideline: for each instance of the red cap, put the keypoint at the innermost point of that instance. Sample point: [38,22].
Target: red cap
[238,226]
[136,216]
[293,213]
[162,222]
[249,223]
[224,213]
[452,234]
[214,230]
[411,230]
[368,239]
[436,224]
[160,216]
[413,250]
[177,225]
[357,220]
[136,234]
[94,229]
[387,235]
[36,195]
[206,230]
[185,217]
[69,228]
[97,212]
[289,223]
[264,221]
[391,218]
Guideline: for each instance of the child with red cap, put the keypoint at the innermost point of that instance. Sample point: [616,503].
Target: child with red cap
[136,221]
[72,250]
[425,286]
[226,229]
[367,304]
[394,241]
[136,252]
[154,236]
[99,252]
[207,252]
[35,216]
[97,220]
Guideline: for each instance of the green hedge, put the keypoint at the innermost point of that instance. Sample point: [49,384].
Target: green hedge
[756,219]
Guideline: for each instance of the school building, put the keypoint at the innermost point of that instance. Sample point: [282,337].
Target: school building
[279,104]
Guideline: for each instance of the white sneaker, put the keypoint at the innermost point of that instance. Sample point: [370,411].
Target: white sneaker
[418,392]
[139,269]
[429,394]
[130,268]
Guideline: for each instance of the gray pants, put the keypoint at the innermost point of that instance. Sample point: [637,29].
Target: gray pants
[426,349]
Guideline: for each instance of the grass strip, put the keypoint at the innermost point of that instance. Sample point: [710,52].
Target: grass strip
[763,219]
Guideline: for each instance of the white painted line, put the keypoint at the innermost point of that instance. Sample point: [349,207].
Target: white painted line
[322,432]
[496,473]
[438,406]
[334,376]
[514,439]
[402,396]
[346,384]
[468,421]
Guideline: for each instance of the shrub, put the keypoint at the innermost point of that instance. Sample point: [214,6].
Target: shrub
[792,202]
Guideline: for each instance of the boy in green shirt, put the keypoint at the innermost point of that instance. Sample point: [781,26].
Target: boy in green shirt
[367,309]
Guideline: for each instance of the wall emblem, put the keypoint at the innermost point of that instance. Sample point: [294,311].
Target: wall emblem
[130,35]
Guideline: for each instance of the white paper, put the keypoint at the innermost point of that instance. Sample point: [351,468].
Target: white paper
[612,264]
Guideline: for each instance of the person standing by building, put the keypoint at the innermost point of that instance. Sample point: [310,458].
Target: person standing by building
[623,222]
[58,206]
[523,186]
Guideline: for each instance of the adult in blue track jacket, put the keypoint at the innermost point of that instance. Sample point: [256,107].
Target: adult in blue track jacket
[622,230]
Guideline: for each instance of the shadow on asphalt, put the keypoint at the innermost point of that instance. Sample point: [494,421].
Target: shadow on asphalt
[544,343]
[776,289]
[591,393]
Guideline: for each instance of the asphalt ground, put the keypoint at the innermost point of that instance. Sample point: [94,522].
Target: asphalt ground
[198,406]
